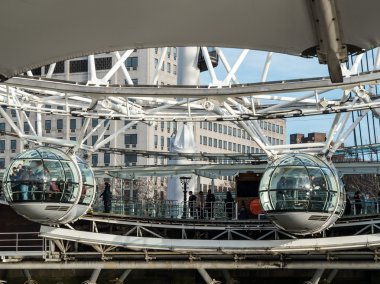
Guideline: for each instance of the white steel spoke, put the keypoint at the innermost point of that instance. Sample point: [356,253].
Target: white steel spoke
[116,66]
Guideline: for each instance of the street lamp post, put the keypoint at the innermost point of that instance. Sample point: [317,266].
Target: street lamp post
[184,181]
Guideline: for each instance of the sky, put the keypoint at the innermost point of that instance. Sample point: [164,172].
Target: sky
[285,67]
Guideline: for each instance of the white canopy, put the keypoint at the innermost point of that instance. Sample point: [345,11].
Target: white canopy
[38,32]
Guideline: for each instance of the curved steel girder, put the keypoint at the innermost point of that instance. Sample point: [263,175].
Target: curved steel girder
[256,89]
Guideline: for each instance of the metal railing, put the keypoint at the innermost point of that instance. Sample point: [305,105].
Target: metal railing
[23,241]
[172,209]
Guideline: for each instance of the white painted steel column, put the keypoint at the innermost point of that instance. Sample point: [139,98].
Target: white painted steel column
[124,275]
[317,276]
[183,142]
[206,277]
[187,67]
[94,276]
[332,275]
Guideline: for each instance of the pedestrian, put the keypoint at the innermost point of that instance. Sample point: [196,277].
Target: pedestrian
[107,197]
[200,204]
[347,209]
[358,203]
[229,204]
[243,213]
[209,205]
[192,203]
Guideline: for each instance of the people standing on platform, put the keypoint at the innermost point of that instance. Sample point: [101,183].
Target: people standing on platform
[107,197]
[243,213]
[229,204]
[24,179]
[192,203]
[347,209]
[200,205]
[209,206]
[358,202]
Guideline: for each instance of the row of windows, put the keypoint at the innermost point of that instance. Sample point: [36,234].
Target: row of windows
[128,159]
[169,126]
[226,145]
[162,142]
[237,132]
[12,145]
[168,66]
[77,66]
[169,52]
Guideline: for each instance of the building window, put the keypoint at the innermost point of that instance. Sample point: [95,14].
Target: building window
[36,71]
[273,127]
[265,125]
[73,138]
[225,145]
[107,158]
[155,63]
[210,142]
[94,138]
[269,126]
[234,147]
[132,62]
[59,124]
[26,127]
[59,68]
[168,69]
[2,163]
[220,144]
[175,53]
[163,66]
[130,139]
[215,127]
[94,122]
[229,130]
[215,143]
[135,81]
[168,52]
[210,126]
[155,141]
[281,130]
[47,124]
[2,126]
[77,66]
[103,63]
[220,128]
[239,133]
[60,107]
[229,146]
[130,158]
[94,159]
[204,140]
[239,148]
[234,132]
[243,148]
[2,146]
[168,143]
[224,129]
[73,123]
[200,139]
[277,129]
[174,69]
[13,145]
[162,142]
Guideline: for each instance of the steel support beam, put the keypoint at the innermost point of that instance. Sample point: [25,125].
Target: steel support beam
[206,264]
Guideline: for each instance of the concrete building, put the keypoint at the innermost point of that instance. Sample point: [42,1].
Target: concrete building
[212,137]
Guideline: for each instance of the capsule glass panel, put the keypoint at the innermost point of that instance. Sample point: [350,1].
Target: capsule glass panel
[47,185]
[301,186]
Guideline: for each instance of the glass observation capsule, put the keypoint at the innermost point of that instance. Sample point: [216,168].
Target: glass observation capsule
[48,186]
[302,194]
